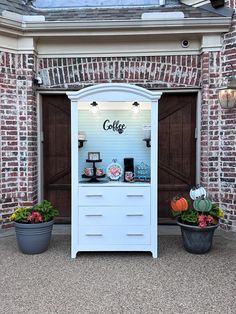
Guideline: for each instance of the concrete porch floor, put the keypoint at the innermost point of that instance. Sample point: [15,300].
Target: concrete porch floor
[162,230]
[65,229]
[118,282]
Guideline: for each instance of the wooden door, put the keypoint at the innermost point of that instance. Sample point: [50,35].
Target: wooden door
[56,153]
[176,149]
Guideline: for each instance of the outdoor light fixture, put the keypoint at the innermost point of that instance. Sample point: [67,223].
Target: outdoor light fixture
[227,94]
[94,107]
[136,107]
[38,80]
[217,3]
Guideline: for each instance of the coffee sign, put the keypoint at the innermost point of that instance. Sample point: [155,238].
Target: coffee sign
[115,126]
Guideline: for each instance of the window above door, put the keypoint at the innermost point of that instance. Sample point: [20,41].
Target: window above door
[95,3]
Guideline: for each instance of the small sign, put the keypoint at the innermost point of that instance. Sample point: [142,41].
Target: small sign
[115,126]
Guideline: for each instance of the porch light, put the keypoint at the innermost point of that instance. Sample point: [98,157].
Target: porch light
[94,107]
[136,107]
[217,3]
[38,81]
[227,94]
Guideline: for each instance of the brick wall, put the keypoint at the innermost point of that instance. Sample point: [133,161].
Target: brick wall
[217,125]
[18,154]
[209,175]
[19,118]
[149,72]
[227,133]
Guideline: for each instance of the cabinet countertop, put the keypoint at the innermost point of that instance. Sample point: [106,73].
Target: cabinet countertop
[116,184]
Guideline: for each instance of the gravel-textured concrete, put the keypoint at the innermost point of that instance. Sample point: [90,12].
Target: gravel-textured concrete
[177,282]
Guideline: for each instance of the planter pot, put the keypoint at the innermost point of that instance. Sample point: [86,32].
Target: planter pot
[195,239]
[33,238]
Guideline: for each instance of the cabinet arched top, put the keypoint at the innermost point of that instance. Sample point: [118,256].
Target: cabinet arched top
[114,92]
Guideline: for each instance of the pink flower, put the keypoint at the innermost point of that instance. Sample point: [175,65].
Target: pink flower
[202,221]
[35,217]
[202,224]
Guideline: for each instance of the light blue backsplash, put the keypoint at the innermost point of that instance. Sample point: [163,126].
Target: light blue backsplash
[110,144]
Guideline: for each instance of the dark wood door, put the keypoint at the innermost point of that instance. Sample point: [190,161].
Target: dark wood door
[56,153]
[176,149]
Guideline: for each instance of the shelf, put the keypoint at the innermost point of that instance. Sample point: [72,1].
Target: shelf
[148,142]
[93,179]
[116,183]
[98,160]
[81,143]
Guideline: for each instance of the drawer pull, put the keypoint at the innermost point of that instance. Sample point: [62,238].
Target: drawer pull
[94,215]
[135,234]
[93,195]
[134,195]
[134,215]
[94,234]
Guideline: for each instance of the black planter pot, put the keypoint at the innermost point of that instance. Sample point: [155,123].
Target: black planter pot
[195,239]
[33,238]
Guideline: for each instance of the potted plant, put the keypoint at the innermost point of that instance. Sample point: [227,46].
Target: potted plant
[33,226]
[198,218]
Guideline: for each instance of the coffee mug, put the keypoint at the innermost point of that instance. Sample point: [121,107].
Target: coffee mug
[88,171]
[129,176]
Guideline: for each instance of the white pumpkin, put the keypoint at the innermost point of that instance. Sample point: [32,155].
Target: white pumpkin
[197,192]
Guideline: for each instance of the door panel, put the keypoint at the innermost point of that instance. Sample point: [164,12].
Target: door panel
[56,153]
[177,149]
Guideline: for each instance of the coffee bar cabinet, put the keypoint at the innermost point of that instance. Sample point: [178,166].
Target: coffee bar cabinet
[106,214]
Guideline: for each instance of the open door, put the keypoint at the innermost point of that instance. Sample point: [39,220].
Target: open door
[177,149]
[56,154]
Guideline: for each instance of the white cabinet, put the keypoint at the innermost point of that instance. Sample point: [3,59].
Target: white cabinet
[114,217]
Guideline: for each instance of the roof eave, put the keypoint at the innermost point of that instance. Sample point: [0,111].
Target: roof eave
[111,28]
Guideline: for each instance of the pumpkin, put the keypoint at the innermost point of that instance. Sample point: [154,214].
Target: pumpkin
[202,205]
[179,204]
[197,192]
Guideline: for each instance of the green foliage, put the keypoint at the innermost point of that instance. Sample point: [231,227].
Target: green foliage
[21,214]
[216,211]
[24,214]
[190,216]
[46,209]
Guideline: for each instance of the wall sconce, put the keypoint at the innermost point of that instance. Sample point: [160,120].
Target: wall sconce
[136,107]
[217,3]
[227,94]
[81,138]
[94,107]
[38,80]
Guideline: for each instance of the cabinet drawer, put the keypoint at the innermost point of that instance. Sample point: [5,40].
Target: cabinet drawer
[100,235]
[114,196]
[114,216]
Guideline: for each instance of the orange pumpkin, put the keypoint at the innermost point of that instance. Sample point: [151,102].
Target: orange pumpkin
[179,204]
